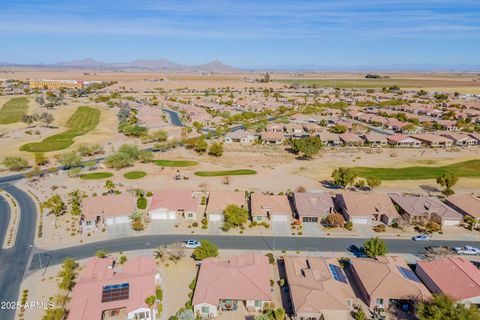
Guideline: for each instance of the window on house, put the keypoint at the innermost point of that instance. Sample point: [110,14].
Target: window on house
[379,301]
[88,223]
[190,215]
[258,303]
[205,309]
[259,218]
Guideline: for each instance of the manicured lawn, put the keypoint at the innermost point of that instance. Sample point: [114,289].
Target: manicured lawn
[84,120]
[360,83]
[461,169]
[240,172]
[135,174]
[96,175]
[13,110]
[175,163]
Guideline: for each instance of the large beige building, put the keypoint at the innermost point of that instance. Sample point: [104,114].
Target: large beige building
[56,84]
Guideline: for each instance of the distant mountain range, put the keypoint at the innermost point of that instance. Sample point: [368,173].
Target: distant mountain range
[140,64]
[217,66]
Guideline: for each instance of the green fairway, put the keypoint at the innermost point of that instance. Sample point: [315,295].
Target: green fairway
[13,110]
[84,120]
[96,175]
[240,172]
[356,83]
[135,174]
[175,163]
[461,169]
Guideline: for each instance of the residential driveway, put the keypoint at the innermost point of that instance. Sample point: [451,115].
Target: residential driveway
[364,230]
[312,229]
[119,230]
[280,228]
[214,227]
[162,226]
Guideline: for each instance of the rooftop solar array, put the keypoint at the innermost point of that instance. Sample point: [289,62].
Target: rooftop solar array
[337,273]
[115,292]
[408,274]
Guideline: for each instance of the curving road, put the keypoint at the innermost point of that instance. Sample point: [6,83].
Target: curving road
[267,243]
[14,261]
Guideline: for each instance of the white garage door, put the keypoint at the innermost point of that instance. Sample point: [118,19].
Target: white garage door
[122,219]
[110,221]
[360,220]
[159,215]
[172,215]
[279,218]
[450,222]
[215,217]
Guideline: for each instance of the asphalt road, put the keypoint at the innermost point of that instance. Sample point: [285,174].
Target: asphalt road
[291,244]
[174,117]
[13,261]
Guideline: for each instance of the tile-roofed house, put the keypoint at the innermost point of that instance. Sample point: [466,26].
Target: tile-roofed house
[240,136]
[401,140]
[460,138]
[350,139]
[462,283]
[102,287]
[433,140]
[312,206]
[387,278]
[108,210]
[420,208]
[272,137]
[219,200]
[273,207]
[363,208]
[374,139]
[465,204]
[329,139]
[318,288]
[168,204]
[223,284]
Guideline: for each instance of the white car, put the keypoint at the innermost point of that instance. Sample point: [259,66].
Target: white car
[421,237]
[192,244]
[467,250]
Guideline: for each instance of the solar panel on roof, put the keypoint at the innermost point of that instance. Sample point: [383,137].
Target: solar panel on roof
[115,292]
[337,273]
[408,274]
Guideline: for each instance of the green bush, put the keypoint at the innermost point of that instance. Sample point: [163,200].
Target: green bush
[141,202]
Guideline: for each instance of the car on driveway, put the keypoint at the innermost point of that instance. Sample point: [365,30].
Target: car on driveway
[421,237]
[192,244]
[467,250]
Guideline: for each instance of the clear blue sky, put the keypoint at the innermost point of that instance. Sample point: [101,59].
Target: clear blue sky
[243,33]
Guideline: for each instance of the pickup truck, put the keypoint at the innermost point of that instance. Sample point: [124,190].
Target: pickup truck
[467,250]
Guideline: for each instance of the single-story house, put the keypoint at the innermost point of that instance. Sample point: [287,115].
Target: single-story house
[455,277]
[350,139]
[218,201]
[240,136]
[275,127]
[420,208]
[466,204]
[223,284]
[272,137]
[102,288]
[312,206]
[386,279]
[318,288]
[433,140]
[329,139]
[272,207]
[168,204]
[374,139]
[460,138]
[108,210]
[365,208]
[401,140]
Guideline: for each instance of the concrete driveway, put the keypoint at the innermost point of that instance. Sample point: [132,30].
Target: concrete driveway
[280,228]
[119,230]
[214,227]
[312,229]
[162,226]
[364,230]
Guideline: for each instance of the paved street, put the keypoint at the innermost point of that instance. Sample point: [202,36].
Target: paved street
[13,261]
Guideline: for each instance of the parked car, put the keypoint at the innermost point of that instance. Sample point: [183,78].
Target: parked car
[192,244]
[467,250]
[421,237]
